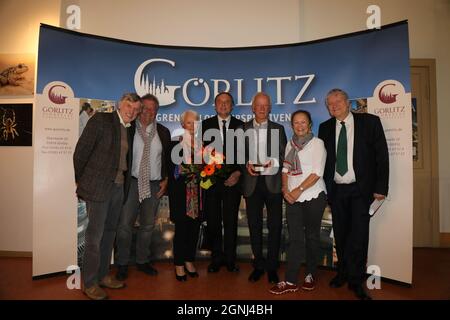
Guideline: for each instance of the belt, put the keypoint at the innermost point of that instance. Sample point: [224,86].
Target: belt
[133,177]
[346,184]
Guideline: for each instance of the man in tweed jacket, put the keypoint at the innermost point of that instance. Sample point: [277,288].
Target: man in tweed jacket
[101,161]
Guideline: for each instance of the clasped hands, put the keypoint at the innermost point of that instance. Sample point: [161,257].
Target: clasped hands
[291,196]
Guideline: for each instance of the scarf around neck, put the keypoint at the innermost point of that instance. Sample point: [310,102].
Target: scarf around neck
[292,162]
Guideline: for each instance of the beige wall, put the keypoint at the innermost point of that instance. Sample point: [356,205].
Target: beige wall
[193,23]
[20,20]
[220,24]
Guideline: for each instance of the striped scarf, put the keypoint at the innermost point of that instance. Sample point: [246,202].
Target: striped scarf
[292,161]
[144,167]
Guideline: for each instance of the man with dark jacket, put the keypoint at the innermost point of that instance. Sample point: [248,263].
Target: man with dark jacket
[101,162]
[356,173]
[224,197]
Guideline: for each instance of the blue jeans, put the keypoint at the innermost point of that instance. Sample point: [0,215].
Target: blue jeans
[100,234]
[147,212]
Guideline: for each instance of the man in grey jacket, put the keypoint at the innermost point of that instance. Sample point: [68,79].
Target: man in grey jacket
[262,185]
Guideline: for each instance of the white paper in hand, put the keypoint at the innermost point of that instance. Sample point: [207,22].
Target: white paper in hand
[376,204]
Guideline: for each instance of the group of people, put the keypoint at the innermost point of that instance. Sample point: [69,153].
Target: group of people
[124,165]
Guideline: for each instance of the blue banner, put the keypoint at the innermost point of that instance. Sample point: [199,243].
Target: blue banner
[296,76]
[370,65]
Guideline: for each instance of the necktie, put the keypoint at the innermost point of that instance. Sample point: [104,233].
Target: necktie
[224,132]
[341,153]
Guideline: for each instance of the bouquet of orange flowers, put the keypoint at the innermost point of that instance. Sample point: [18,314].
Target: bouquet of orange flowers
[213,169]
[206,173]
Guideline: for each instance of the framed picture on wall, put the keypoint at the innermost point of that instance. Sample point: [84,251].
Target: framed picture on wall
[17,75]
[16,122]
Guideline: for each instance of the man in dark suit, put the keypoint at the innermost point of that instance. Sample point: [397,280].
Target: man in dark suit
[262,185]
[149,173]
[224,197]
[356,173]
[101,161]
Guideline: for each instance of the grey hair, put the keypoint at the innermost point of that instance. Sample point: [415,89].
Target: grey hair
[183,115]
[263,94]
[334,91]
[132,97]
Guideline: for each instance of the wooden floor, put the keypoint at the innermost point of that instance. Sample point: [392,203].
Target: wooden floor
[431,280]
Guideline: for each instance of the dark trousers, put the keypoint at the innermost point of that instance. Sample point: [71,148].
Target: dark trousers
[185,240]
[255,203]
[146,210]
[304,220]
[222,206]
[100,235]
[351,218]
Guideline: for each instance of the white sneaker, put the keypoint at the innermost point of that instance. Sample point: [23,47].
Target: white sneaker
[309,283]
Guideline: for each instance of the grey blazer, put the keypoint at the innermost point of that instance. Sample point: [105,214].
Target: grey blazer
[96,157]
[273,182]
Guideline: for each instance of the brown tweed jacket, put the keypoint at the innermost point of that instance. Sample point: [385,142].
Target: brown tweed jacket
[96,157]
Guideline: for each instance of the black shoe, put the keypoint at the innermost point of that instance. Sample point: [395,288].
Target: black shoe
[255,275]
[122,273]
[147,269]
[338,281]
[180,278]
[193,274]
[360,292]
[214,267]
[232,268]
[272,276]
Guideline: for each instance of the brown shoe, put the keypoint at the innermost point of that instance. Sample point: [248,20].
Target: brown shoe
[111,283]
[95,293]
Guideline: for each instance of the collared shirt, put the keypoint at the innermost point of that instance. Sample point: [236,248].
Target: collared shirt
[155,153]
[261,140]
[227,124]
[126,125]
[349,176]
[262,125]
[261,148]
